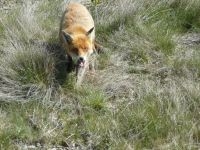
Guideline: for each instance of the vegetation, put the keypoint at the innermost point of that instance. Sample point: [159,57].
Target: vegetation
[144,95]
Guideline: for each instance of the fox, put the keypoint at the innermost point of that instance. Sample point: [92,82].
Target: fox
[77,38]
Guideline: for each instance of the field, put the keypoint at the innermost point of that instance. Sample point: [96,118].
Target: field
[145,93]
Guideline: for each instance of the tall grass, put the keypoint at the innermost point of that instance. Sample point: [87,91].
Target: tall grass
[26,64]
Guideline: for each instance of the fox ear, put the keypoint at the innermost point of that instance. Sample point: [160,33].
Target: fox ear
[67,37]
[90,31]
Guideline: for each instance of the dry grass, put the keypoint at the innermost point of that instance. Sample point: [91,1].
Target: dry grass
[145,94]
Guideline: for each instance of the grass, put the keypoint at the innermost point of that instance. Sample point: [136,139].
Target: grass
[145,94]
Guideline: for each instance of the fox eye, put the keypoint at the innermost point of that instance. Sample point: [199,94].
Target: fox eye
[85,49]
[75,50]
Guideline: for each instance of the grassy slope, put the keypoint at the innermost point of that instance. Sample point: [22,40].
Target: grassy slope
[145,93]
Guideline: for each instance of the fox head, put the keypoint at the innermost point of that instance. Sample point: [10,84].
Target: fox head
[79,45]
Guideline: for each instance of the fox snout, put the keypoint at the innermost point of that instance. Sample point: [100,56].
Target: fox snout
[81,62]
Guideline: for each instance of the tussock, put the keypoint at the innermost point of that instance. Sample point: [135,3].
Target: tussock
[26,69]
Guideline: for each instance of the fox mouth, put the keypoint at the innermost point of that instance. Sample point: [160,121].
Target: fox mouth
[80,64]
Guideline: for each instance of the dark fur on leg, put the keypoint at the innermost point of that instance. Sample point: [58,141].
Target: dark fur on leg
[98,47]
[70,64]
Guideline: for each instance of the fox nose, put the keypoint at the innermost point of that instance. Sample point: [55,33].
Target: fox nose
[81,59]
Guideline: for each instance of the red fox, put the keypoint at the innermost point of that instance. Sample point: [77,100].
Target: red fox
[77,37]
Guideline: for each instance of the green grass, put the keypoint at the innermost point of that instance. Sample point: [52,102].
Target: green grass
[144,95]
[30,122]
[31,68]
[188,64]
